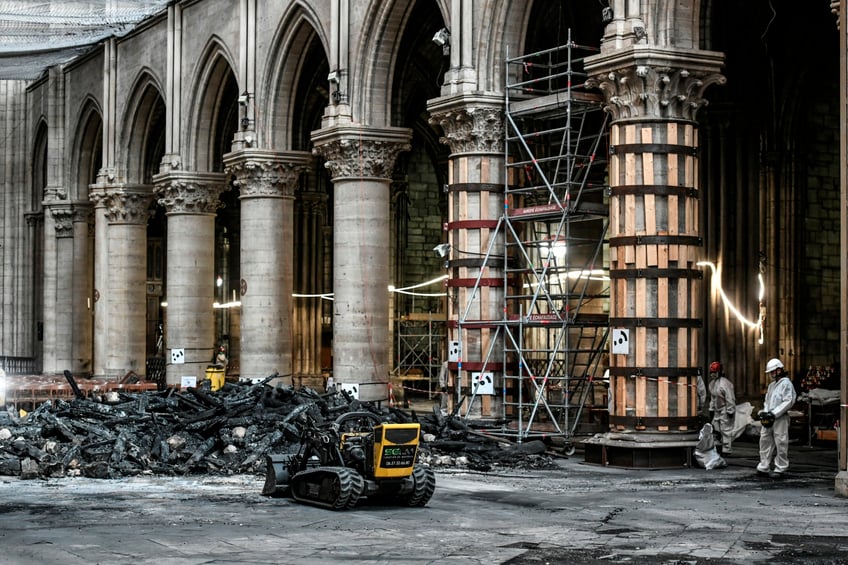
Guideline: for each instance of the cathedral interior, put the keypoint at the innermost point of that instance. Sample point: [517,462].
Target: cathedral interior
[193,182]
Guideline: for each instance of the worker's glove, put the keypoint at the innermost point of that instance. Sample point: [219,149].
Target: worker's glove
[766,419]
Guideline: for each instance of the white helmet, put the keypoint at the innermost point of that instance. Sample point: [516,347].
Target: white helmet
[773,365]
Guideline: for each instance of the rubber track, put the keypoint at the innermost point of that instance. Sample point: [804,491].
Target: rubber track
[348,487]
[424,485]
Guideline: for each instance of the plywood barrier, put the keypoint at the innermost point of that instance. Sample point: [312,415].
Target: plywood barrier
[655,245]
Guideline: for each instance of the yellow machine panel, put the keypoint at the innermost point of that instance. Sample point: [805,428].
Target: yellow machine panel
[395,449]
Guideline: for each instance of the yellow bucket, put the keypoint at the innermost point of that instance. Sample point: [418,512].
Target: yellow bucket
[215,376]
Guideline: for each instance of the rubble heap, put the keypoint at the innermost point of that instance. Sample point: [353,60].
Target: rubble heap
[227,431]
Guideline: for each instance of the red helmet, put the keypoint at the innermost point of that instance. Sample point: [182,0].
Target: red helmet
[715,367]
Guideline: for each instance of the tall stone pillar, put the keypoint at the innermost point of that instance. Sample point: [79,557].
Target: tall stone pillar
[58,286]
[190,200]
[81,285]
[655,242]
[267,181]
[360,161]
[474,128]
[121,216]
[98,194]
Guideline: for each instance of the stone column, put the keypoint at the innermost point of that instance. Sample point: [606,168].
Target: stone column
[34,285]
[58,287]
[81,284]
[98,194]
[120,313]
[190,200]
[267,181]
[360,161]
[655,241]
[474,128]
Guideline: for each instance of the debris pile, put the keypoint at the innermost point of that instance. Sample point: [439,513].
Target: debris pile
[227,431]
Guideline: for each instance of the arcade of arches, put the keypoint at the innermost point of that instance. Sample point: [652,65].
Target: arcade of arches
[255,175]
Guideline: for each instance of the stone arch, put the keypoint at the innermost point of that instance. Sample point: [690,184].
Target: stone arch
[674,23]
[298,67]
[143,133]
[39,164]
[372,77]
[419,204]
[87,157]
[503,34]
[214,109]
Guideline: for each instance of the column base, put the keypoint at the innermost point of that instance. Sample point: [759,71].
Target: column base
[841,484]
[641,450]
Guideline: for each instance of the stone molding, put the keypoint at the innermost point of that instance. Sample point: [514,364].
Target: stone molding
[361,152]
[266,174]
[63,219]
[124,205]
[34,218]
[183,192]
[652,83]
[471,124]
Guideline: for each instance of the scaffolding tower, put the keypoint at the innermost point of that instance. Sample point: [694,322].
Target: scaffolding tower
[551,240]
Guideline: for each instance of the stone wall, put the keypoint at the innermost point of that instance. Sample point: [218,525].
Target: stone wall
[819,290]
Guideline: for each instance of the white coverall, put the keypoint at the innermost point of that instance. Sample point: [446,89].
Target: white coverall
[723,407]
[774,441]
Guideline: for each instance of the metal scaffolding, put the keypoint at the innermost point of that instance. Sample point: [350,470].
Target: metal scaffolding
[419,352]
[551,240]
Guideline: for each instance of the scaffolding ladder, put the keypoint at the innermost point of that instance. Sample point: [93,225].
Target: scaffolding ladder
[552,235]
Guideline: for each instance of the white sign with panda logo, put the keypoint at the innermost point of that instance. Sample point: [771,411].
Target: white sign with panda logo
[620,342]
[482,383]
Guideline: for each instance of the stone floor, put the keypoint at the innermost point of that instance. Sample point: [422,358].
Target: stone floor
[577,513]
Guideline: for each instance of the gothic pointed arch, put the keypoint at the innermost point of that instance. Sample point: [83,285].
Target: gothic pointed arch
[142,143]
[39,164]
[214,103]
[297,87]
[372,72]
[87,157]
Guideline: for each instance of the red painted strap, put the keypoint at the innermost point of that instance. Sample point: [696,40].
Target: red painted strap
[469,283]
[472,224]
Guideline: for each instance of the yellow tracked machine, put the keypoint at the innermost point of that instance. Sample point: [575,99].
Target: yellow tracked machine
[356,458]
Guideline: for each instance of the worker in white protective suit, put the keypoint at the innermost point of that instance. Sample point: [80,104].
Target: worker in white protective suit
[722,406]
[774,417]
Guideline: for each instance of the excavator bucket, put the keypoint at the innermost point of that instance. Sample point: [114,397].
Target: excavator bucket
[277,475]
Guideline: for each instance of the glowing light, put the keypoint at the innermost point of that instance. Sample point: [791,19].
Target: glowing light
[406,289]
[588,274]
[225,305]
[325,296]
[716,282]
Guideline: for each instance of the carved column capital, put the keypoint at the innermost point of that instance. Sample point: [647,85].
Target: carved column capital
[63,219]
[183,192]
[471,124]
[260,173]
[66,214]
[361,152]
[34,218]
[653,83]
[124,205]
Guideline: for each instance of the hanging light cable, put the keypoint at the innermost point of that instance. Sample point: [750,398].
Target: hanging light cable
[716,282]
